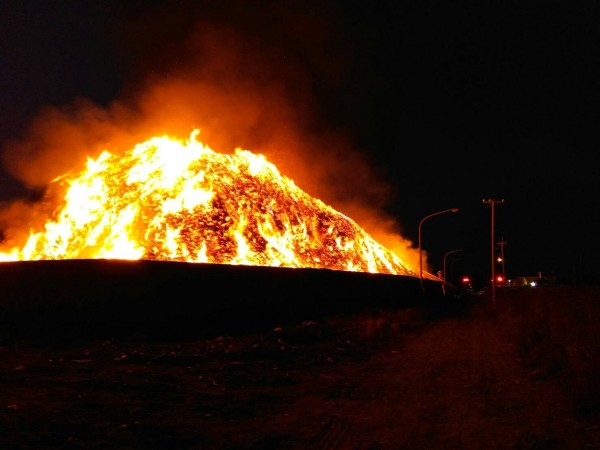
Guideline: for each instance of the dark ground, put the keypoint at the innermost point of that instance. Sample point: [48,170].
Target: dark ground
[522,373]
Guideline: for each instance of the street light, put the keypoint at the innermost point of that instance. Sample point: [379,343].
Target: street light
[451,210]
[445,256]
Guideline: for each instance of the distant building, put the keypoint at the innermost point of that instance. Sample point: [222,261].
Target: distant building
[531,280]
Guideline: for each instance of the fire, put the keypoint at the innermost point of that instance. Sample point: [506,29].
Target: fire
[174,200]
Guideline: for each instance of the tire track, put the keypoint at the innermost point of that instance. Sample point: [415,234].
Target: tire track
[458,381]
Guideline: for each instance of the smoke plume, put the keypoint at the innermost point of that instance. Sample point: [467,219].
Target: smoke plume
[245,80]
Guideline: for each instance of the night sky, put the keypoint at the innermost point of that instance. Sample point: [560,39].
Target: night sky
[404,107]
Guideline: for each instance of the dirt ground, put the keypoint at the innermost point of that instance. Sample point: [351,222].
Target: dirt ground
[515,374]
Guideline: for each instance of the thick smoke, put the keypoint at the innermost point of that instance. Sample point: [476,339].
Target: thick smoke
[253,85]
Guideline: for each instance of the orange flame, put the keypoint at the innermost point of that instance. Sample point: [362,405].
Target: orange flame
[181,201]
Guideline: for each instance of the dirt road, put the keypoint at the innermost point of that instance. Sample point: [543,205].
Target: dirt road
[386,380]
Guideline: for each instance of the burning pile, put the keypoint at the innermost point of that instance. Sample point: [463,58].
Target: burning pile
[181,201]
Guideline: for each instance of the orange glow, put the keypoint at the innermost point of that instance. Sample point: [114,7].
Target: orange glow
[172,200]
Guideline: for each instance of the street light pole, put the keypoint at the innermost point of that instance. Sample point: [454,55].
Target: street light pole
[445,256]
[451,210]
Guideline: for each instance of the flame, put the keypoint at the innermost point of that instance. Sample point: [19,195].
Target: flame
[174,200]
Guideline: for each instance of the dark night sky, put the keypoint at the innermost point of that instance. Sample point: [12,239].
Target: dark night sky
[447,103]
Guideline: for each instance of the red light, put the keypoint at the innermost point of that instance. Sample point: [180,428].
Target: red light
[499,280]
[466,279]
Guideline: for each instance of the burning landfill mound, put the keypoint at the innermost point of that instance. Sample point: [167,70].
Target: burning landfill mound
[170,200]
[147,192]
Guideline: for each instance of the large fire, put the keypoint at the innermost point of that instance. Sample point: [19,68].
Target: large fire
[170,200]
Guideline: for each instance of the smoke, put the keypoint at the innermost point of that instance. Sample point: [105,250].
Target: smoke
[244,80]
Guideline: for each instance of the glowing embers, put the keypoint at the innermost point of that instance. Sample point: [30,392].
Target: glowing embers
[181,201]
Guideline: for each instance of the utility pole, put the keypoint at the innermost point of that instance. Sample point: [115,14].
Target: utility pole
[502,243]
[493,203]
